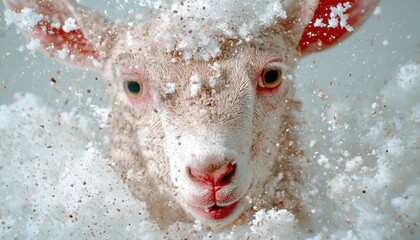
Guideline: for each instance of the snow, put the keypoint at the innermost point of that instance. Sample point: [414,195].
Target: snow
[216,75]
[24,20]
[319,23]
[70,25]
[339,11]
[337,17]
[361,181]
[195,84]
[170,88]
[63,53]
[34,45]
[377,11]
[27,18]
[206,24]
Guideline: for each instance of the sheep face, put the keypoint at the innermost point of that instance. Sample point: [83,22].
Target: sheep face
[213,127]
[206,136]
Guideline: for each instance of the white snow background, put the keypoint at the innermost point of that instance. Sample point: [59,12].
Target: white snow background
[360,126]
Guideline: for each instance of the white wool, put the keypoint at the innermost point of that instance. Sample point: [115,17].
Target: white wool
[25,20]
[70,25]
[206,24]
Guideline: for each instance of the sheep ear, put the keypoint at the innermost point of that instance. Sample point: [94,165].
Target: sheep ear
[68,32]
[314,25]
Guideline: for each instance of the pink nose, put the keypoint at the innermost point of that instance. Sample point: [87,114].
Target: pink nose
[214,177]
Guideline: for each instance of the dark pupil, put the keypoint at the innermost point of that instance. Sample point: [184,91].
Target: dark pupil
[271,76]
[134,87]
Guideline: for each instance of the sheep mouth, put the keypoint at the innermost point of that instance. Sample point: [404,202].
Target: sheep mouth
[217,212]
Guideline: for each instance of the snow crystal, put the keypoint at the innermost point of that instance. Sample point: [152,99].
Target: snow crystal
[323,161]
[337,17]
[273,224]
[63,53]
[377,11]
[96,63]
[339,11]
[319,23]
[55,25]
[195,84]
[25,20]
[129,38]
[216,75]
[408,76]
[415,114]
[70,25]
[170,88]
[354,163]
[34,45]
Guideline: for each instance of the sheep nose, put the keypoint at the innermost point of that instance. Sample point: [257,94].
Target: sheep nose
[213,176]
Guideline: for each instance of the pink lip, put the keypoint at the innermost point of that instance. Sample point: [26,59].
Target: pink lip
[217,212]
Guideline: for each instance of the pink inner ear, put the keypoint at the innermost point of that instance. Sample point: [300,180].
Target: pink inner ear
[329,36]
[74,40]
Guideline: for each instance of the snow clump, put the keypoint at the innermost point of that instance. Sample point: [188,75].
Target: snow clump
[25,20]
[195,84]
[198,28]
[70,25]
[34,45]
[337,17]
[170,88]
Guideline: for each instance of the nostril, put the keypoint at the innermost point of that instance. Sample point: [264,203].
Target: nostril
[199,176]
[193,174]
[214,177]
[226,174]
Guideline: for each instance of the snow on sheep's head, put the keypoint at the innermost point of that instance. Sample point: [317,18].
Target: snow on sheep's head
[201,103]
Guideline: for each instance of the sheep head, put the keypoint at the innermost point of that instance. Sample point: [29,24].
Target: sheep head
[207,133]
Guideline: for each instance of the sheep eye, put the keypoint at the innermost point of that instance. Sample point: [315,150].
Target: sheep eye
[271,78]
[133,89]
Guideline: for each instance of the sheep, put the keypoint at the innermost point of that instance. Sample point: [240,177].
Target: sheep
[211,139]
